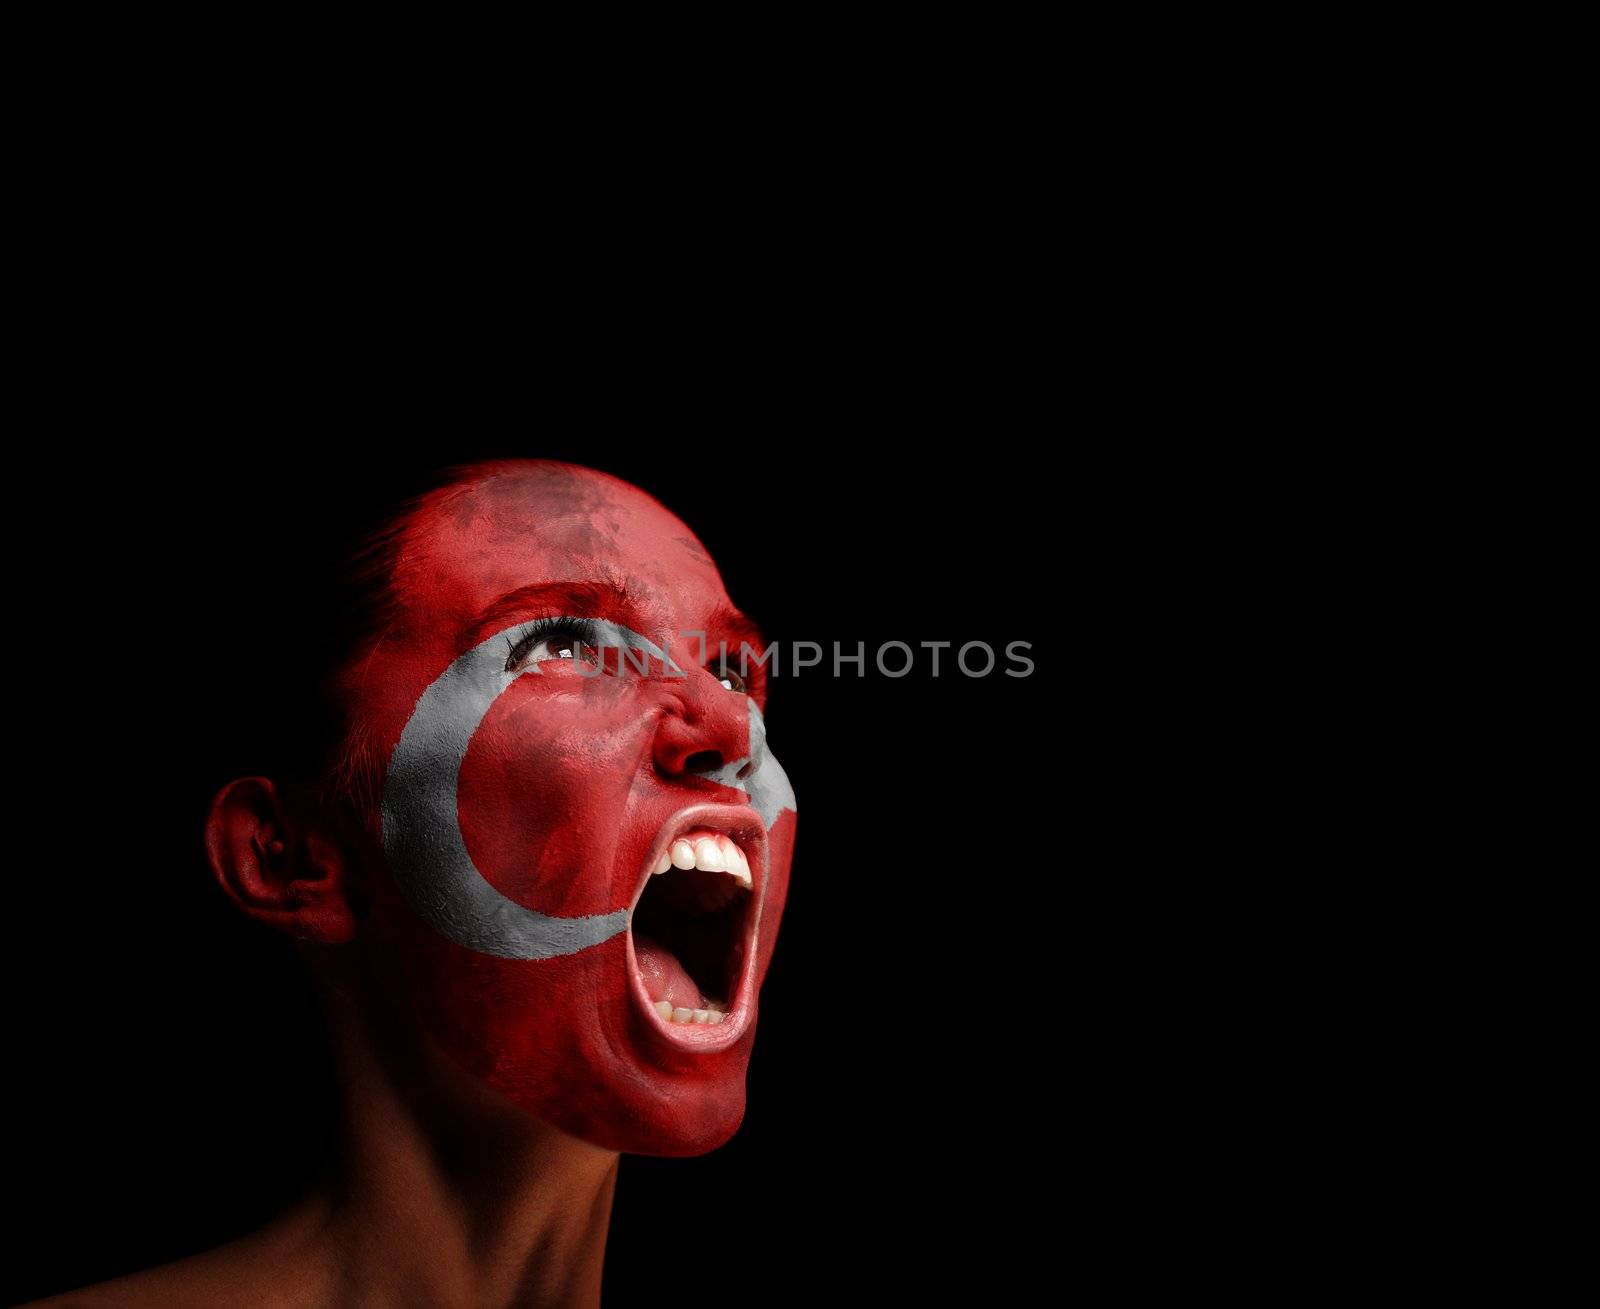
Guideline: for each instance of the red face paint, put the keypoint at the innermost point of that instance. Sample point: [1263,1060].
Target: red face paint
[525,812]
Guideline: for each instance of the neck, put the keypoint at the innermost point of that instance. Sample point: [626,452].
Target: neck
[446,1193]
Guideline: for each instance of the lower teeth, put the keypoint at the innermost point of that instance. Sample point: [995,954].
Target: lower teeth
[709,1016]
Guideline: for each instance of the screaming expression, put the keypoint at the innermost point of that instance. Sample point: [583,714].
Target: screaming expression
[587,839]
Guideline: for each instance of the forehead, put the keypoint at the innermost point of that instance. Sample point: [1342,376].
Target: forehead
[550,523]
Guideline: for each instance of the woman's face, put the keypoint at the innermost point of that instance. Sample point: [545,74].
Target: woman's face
[554,733]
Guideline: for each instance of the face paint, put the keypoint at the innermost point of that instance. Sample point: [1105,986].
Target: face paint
[528,803]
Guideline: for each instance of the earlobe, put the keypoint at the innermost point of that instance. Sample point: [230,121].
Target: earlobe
[279,867]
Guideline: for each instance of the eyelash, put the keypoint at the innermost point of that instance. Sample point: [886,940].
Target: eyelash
[755,676]
[585,630]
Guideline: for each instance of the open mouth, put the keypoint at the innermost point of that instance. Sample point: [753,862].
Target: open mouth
[692,931]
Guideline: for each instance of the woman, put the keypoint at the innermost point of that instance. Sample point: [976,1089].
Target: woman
[538,875]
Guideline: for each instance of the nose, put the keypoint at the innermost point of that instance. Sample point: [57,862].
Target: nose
[705,730]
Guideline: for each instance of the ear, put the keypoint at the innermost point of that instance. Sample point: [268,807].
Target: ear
[281,868]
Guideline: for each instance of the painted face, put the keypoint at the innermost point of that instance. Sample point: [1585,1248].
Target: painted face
[586,840]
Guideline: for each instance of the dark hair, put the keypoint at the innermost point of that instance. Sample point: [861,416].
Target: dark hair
[299,587]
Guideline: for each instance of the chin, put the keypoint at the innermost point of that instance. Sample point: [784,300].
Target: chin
[569,1042]
[691,1119]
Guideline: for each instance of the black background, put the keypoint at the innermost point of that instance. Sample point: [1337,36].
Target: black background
[922,1095]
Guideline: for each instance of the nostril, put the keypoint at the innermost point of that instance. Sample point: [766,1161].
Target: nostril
[703,761]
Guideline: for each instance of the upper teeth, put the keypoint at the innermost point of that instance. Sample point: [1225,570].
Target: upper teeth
[711,851]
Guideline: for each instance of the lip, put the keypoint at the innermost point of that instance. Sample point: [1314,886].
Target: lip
[742,825]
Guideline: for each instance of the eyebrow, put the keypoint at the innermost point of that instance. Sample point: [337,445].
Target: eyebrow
[609,598]
[725,618]
[590,599]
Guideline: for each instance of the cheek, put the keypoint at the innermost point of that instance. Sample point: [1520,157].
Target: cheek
[780,854]
[544,790]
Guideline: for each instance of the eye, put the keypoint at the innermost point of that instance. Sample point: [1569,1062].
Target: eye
[729,676]
[561,639]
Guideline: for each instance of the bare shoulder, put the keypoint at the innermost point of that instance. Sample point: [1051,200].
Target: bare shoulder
[283,1266]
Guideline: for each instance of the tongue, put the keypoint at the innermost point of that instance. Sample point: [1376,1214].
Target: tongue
[664,977]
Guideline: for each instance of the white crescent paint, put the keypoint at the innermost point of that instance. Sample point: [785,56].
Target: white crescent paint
[422,833]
